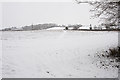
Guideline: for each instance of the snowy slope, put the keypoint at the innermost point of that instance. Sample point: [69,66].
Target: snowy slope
[56,28]
[56,54]
[85,27]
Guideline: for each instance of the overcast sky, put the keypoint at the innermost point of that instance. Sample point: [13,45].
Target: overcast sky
[18,14]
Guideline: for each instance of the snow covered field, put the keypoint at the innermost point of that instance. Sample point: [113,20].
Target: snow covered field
[55,54]
[0,56]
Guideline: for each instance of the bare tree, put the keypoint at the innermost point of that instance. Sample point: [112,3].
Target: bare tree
[107,11]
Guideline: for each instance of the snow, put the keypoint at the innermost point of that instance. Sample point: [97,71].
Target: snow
[0,56]
[56,28]
[55,54]
[85,27]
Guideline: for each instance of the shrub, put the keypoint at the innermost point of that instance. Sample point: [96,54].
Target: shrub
[66,28]
[115,53]
[110,58]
